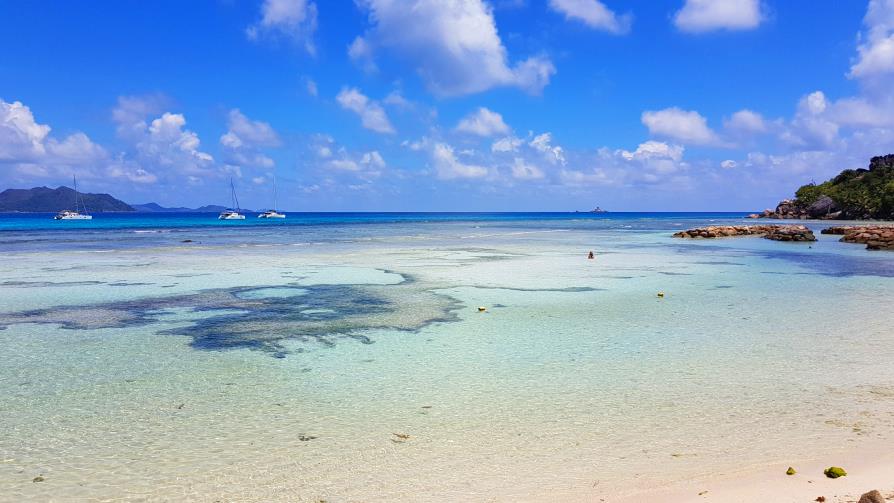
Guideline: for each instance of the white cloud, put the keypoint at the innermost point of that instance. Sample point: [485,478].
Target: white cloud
[543,144]
[682,125]
[454,45]
[373,159]
[698,16]
[164,145]
[344,165]
[507,144]
[448,167]
[875,52]
[483,122]
[396,99]
[372,115]
[311,87]
[28,146]
[296,19]
[811,127]
[654,150]
[244,132]
[746,121]
[524,171]
[361,53]
[594,14]
[728,164]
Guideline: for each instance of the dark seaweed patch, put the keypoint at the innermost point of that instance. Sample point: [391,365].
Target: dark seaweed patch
[319,315]
[43,284]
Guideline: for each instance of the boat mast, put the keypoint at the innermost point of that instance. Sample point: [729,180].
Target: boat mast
[274,192]
[235,199]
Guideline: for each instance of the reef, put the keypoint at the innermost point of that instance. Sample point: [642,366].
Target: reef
[263,318]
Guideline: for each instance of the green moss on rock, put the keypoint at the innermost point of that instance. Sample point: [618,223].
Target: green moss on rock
[833,472]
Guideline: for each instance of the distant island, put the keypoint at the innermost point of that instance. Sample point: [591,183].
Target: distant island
[45,199]
[855,194]
[156,208]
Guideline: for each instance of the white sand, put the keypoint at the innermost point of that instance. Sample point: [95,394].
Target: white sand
[866,470]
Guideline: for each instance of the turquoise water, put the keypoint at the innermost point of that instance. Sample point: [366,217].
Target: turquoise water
[278,362]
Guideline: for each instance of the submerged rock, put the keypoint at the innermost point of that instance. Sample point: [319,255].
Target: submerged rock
[833,472]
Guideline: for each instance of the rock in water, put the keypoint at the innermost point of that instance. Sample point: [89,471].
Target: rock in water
[822,207]
[872,497]
[833,472]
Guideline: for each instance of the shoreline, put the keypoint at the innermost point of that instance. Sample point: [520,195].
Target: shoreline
[867,470]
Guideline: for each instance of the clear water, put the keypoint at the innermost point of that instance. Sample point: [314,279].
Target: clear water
[264,361]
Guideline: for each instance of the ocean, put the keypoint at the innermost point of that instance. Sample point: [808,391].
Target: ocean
[345,357]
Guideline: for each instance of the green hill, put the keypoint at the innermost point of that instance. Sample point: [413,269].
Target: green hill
[857,193]
[45,199]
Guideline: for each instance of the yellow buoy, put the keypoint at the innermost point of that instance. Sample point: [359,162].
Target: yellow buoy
[482,309]
[661,294]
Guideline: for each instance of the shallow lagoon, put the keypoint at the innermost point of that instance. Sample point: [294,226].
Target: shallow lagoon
[258,366]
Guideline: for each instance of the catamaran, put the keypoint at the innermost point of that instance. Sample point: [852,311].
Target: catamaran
[232,214]
[272,213]
[79,202]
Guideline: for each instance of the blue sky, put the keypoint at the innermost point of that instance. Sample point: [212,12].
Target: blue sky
[403,105]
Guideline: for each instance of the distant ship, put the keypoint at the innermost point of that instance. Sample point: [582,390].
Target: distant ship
[598,210]
[272,213]
[232,213]
[79,202]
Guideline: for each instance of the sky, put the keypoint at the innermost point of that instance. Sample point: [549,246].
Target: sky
[445,105]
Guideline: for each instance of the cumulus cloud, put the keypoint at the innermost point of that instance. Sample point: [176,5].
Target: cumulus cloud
[811,128]
[161,145]
[654,150]
[371,113]
[483,122]
[698,16]
[507,144]
[682,125]
[361,53]
[448,167]
[522,170]
[543,144]
[244,132]
[594,14]
[454,45]
[296,19]
[28,146]
[875,52]
[746,121]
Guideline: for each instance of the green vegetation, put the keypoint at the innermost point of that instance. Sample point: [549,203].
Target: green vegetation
[833,472]
[859,193]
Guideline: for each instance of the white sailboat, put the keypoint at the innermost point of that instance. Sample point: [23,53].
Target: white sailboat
[79,202]
[231,213]
[272,213]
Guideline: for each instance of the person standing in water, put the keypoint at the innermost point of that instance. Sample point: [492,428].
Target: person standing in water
[591,256]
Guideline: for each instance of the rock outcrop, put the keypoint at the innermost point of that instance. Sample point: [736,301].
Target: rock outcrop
[875,237]
[774,232]
[872,497]
[824,207]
